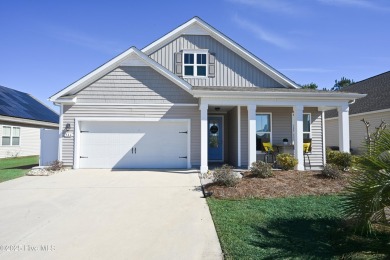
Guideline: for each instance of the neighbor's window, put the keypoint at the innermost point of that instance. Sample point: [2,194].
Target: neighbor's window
[306,126]
[263,130]
[195,64]
[11,135]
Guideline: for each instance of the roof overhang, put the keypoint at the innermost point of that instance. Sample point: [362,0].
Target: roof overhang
[323,96]
[27,122]
[131,57]
[197,26]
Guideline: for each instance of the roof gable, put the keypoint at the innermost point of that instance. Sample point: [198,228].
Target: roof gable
[18,104]
[197,26]
[131,57]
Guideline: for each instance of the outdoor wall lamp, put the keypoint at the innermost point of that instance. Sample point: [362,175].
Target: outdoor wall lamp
[67,127]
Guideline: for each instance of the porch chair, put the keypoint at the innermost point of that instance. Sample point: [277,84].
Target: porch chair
[269,150]
[306,151]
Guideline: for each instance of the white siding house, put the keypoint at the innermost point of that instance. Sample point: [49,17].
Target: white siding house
[192,97]
[374,108]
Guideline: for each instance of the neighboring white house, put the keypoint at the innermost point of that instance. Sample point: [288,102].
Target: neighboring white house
[192,97]
[21,118]
[374,108]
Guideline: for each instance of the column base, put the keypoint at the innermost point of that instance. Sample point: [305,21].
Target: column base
[300,167]
[204,169]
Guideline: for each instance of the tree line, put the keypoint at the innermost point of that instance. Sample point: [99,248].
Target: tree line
[339,84]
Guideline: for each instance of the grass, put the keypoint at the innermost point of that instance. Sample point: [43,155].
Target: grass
[306,227]
[12,168]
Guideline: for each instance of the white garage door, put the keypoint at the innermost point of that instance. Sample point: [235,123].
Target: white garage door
[122,145]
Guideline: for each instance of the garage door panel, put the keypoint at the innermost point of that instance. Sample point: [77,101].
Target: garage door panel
[133,145]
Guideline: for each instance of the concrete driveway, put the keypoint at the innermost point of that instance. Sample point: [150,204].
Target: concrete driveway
[103,214]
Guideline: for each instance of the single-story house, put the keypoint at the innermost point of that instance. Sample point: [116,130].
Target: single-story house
[373,108]
[192,97]
[21,118]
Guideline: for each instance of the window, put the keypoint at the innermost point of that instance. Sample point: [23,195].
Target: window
[263,130]
[306,126]
[195,64]
[11,135]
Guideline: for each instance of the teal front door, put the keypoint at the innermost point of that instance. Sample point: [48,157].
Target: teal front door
[215,138]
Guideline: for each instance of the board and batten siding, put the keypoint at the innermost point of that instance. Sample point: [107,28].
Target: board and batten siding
[357,129]
[122,111]
[134,85]
[230,68]
[29,143]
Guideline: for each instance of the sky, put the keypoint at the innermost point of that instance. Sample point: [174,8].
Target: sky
[47,45]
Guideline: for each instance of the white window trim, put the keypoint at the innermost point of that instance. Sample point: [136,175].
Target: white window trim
[194,52]
[292,126]
[270,133]
[309,125]
[11,136]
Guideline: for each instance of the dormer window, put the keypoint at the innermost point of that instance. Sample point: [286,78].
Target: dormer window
[195,64]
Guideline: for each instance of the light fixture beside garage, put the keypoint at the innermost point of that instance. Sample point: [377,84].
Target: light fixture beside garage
[67,131]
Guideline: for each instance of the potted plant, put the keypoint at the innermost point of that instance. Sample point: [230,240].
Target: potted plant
[285,141]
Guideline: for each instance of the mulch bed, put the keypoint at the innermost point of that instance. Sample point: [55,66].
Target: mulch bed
[282,184]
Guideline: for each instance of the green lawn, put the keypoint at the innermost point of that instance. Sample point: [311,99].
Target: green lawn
[11,168]
[309,227]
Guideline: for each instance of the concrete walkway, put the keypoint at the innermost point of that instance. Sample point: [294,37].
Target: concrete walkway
[103,214]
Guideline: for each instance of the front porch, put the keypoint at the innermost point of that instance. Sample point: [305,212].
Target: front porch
[233,134]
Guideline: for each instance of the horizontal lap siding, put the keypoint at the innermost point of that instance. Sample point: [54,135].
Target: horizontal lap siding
[29,143]
[281,128]
[134,85]
[233,142]
[357,129]
[230,68]
[113,111]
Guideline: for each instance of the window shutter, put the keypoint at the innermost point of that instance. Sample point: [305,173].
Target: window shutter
[211,65]
[178,64]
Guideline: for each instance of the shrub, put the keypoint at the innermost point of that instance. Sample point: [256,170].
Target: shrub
[331,171]
[286,161]
[261,169]
[225,176]
[341,159]
[56,166]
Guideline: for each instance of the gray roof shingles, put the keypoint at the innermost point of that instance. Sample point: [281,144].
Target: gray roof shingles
[18,104]
[377,89]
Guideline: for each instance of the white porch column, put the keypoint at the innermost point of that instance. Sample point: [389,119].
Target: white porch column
[343,128]
[203,138]
[238,136]
[251,134]
[298,136]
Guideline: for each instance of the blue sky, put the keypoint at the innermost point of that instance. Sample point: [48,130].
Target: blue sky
[47,45]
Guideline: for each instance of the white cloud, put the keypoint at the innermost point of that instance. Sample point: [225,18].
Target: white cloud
[357,3]
[262,34]
[280,6]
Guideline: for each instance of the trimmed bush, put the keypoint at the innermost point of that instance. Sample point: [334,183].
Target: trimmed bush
[286,161]
[331,171]
[261,169]
[341,159]
[225,176]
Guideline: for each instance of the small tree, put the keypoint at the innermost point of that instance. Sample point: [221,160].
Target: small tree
[368,193]
[310,86]
[343,82]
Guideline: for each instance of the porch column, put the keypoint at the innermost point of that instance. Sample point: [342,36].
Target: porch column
[343,127]
[203,138]
[251,134]
[298,137]
[238,136]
